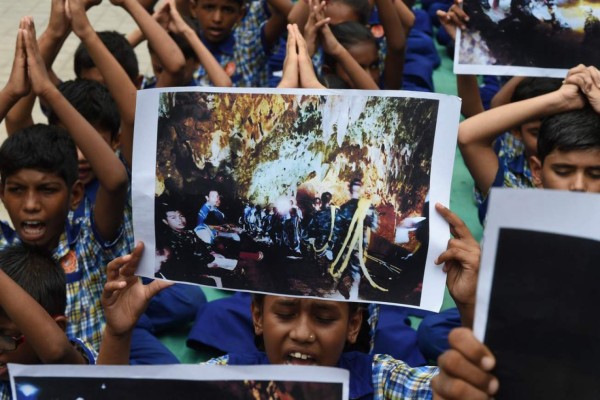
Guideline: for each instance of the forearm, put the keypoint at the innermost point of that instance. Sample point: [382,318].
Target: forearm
[360,78]
[299,14]
[396,44]
[120,86]
[506,92]
[283,7]
[105,163]
[7,102]
[468,91]
[43,334]
[135,37]
[482,129]
[114,349]
[163,45]
[215,72]
[407,17]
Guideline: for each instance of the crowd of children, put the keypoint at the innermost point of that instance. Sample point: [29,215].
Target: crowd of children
[69,257]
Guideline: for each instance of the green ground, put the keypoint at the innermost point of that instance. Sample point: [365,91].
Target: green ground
[460,202]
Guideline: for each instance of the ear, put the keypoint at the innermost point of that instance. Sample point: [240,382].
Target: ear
[535,165]
[192,4]
[77,192]
[2,191]
[354,324]
[61,321]
[257,319]
[138,82]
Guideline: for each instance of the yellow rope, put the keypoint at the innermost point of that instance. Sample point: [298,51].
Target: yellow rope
[332,208]
[356,229]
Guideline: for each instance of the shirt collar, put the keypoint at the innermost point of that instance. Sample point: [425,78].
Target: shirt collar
[225,47]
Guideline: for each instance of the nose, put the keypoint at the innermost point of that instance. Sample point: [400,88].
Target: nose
[302,331]
[31,202]
[217,16]
[578,183]
[80,156]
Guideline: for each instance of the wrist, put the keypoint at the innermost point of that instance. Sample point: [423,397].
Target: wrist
[58,32]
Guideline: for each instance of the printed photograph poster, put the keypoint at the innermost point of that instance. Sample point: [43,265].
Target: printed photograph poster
[538,295]
[148,382]
[325,194]
[528,37]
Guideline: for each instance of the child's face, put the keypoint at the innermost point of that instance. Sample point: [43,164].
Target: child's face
[528,134]
[365,53]
[305,331]
[38,203]
[577,170]
[175,220]
[216,17]
[23,354]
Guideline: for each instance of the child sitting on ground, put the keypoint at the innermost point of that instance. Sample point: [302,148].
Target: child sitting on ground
[38,182]
[32,306]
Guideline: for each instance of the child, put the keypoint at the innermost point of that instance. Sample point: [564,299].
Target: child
[568,159]
[38,184]
[30,280]
[241,40]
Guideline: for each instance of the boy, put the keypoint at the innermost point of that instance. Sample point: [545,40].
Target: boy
[38,185]
[496,158]
[241,42]
[568,158]
[30,280]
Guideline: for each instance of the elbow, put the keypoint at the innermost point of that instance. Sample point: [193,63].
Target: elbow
[56,352]
[118,184]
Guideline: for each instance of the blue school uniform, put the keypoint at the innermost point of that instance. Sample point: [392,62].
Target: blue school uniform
[371,376]
[244,54]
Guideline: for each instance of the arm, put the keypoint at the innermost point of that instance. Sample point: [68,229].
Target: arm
[477,134]
[165,47]
[50,43]
[461,263]
[468,88]
[118,83]
[396,44]
[465,369]
[42,332]
[407,17]
[110,200]
[277,22]
[505,93]
[299,13]
[18,81]
[215,72]
[124,299]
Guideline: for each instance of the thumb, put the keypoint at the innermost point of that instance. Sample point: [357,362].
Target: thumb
[156,286]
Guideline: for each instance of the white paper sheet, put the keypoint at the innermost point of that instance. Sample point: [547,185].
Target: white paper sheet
[339,115]
[157,381]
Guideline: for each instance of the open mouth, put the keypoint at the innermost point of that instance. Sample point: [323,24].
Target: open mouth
[297,358]
[32,229]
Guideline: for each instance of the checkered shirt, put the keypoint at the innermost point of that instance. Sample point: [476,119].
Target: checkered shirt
[245,49]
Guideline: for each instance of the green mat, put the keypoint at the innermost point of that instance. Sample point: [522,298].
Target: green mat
[461,202]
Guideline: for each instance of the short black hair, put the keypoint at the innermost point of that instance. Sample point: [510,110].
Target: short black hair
[35,270]
[532,87]
[570,131]
[118,46]
[93,101]
[361,7]
[40,147]
[326,198]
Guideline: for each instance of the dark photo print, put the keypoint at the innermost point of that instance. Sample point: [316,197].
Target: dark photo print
[542,324]
[307,195]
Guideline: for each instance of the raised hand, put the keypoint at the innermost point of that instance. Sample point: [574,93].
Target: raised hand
[36,69]
[124,297]
[461,263]
[76,14]
[465,369]
[18,83]
[454,18]
[587,79]
[290,77]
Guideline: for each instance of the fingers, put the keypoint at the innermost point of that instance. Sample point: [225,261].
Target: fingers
[457,226]
[125,265]
[466,257]
[464,369]
[586,78]
[156,286]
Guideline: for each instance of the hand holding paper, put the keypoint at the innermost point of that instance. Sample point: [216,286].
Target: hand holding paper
[461,263]
[465,369]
